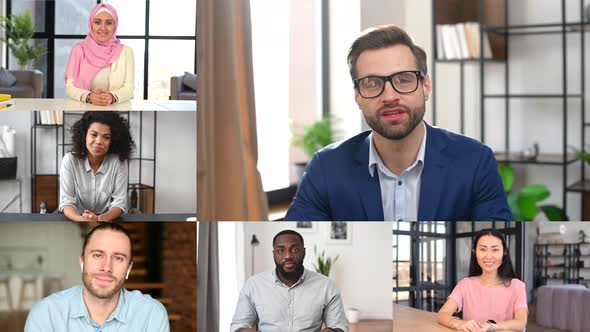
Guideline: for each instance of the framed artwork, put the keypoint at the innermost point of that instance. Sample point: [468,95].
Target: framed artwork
[305,226]
[339,233]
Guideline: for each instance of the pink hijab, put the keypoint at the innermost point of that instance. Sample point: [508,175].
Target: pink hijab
[89,56]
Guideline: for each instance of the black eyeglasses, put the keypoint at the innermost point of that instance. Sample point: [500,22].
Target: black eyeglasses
[403,82]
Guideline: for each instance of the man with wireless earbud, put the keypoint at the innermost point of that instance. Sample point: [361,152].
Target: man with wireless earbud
[100,303]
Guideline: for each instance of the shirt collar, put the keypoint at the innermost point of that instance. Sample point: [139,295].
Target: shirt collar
[300,281]
[89,169]
[375,160]
[78,308]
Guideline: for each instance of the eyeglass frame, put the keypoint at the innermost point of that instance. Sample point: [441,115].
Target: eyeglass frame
[418,73]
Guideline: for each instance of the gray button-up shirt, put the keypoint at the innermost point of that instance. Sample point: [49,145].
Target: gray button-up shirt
[400,195]
[81,188]
[267,302]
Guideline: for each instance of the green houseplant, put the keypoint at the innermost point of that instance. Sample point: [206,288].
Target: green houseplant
[19,30]
[314,137]
[523,202]
[324,264]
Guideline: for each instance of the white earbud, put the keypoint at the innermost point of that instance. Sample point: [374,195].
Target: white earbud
[127,275]
[82,267]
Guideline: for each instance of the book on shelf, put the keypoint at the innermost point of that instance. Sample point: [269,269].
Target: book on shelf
[461,41]
[51,117]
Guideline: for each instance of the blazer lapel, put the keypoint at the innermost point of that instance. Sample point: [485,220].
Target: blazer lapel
[433,175]
[368,187]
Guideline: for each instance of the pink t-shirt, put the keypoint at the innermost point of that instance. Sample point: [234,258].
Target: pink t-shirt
[482,303]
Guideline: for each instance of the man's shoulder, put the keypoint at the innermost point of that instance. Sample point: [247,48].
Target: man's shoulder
[137,299]
[457,140]
[346,146]
[58,300]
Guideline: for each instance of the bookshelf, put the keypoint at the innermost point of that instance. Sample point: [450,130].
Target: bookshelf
[45,185]
[492,16]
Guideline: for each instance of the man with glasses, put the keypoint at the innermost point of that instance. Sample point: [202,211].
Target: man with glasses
[289,298]
[403,169]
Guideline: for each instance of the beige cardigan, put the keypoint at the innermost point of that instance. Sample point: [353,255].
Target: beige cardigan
[121,80]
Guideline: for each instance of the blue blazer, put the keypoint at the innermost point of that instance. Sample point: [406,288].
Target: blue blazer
[459,181]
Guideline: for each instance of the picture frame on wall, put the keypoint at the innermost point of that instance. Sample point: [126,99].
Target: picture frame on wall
[339,233]
[305,226]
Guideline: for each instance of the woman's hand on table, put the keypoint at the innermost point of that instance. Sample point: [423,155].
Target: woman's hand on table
[100,97]
[470,326]
[89,216]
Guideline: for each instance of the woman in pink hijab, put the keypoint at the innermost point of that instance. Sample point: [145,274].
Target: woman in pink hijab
[101,70]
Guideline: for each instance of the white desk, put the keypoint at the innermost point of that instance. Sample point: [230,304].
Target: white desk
[64,104]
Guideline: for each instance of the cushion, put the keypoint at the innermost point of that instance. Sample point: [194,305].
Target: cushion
[190,80]
[6,78]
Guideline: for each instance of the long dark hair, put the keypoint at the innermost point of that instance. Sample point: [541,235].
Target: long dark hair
[122,143]
[505,271]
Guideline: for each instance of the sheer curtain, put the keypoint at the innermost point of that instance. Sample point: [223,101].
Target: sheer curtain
[229,184]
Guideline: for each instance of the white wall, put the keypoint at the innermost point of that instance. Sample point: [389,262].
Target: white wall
[59,243]
[176,182]
[175,158]
[363,272]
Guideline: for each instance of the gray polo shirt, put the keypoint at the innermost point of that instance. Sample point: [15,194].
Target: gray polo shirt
[267,302]
[81,188]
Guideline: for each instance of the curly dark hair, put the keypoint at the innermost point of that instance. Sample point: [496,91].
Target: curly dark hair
[505,271]
[122,143]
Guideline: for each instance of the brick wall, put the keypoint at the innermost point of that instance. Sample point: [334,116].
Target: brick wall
[180,273]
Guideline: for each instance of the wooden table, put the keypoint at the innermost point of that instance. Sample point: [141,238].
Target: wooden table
[371,326]
[64,104]
[410,319]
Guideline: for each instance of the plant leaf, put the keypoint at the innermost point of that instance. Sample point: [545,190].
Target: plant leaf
[528,208]
[554,213]
[537,192]
[507,175]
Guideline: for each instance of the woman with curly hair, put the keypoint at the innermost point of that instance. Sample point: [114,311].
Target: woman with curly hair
[492,297]
[93,176]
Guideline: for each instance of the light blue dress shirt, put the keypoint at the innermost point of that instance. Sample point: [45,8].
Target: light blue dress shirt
[400,195]
[66,311]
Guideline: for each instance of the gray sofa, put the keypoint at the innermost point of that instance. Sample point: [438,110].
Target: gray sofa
[29,84]
[179,91]
[564,307]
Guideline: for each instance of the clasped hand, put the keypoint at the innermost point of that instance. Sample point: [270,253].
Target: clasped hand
[474,326]
[90,216]
[100,97]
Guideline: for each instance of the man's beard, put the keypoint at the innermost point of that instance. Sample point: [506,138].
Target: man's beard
[384,129]
[99,292]
[293,275]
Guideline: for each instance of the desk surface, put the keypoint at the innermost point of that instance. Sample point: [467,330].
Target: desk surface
[371,326]
[63,104]
[125,217]
[410,319]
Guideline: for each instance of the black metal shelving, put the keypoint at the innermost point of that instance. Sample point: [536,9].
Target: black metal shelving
[559,262]
[504,31]
[61,145]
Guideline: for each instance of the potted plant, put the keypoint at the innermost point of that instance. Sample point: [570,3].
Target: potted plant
[19,30]
[314,137]
[523,202]
[324,264]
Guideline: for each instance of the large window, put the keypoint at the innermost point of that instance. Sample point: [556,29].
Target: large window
[161,33]
[285,43]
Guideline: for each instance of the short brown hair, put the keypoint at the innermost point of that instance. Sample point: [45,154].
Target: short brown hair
[108,226]
[381,37]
